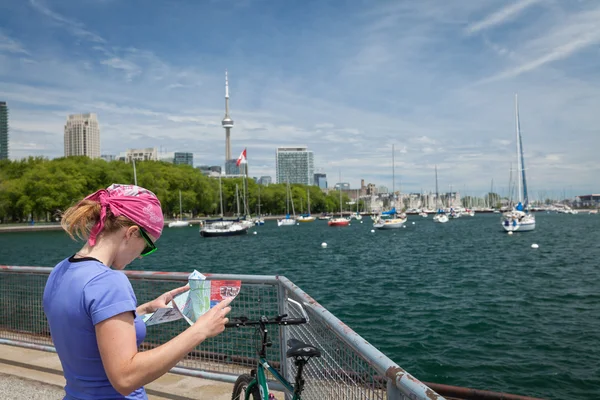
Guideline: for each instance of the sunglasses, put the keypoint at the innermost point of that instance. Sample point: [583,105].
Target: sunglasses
[150,246]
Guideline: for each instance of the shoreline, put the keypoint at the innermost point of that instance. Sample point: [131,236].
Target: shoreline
[55,226]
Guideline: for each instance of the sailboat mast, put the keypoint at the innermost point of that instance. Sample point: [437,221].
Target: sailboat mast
[287,198]
[180,207]
[341,213]
[519,167]
[437,195]
[523,180]
[492,191]
[246,193]
[259,200]
[237,199]
[221,196]
[393,177]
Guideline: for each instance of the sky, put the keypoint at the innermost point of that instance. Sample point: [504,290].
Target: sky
[347,78]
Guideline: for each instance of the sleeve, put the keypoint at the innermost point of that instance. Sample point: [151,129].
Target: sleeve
[107,295]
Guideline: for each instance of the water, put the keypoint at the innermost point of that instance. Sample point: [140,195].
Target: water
[460,303]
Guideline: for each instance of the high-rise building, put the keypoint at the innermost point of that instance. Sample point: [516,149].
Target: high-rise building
[183,158]
[82,136]
[227,124]
[320,180]
[3,131]
[294,165]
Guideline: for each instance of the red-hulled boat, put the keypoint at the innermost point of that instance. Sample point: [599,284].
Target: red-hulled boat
[338,222]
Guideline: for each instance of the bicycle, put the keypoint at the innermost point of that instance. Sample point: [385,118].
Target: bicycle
[255,384]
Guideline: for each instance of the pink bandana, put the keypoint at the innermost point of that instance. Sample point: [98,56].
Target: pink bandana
[136,203]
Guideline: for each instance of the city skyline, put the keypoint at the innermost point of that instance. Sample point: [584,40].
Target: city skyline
[437,80]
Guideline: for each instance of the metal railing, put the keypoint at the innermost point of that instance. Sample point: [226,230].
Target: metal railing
[350,367]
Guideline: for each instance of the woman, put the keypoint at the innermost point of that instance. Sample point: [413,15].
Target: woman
[92,311]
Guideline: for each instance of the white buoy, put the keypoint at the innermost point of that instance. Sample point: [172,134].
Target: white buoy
[190,224]
[534,246]
[413,223]
[297,223]
[255,232]
[349,224]
[404,226]
[510,232]
[361,222]
[372,230]
[323,245]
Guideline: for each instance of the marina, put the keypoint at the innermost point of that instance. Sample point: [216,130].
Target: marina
[461,303]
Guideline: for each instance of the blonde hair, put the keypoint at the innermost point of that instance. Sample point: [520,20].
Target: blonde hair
[79,220]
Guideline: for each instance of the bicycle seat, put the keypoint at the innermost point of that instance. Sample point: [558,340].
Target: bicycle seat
[301,349]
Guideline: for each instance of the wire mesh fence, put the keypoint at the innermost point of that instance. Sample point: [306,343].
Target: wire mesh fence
[344,371]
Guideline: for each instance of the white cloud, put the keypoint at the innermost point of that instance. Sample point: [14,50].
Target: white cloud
[130,69]
[574,34]
[10,45]
[501,16]
[76,28]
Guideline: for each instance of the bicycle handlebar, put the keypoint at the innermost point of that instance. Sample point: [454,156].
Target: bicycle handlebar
[279,320]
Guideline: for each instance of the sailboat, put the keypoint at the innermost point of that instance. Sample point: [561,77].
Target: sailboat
[179,223]
[519,219]
[441,216]
[221,227]
[341,221]
[307,217]
[259,220]
[287,221]
[390,219]
[357,215]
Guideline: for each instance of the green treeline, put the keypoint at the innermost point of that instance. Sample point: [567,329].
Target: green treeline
[41,189]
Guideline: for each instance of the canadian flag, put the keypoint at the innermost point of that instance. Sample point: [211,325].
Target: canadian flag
[242,159]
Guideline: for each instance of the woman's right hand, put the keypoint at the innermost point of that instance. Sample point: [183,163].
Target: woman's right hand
[213,322]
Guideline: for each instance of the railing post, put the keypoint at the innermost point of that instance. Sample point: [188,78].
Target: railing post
[283,334]
[392,391]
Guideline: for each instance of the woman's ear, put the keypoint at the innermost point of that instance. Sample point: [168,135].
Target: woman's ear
[130,232]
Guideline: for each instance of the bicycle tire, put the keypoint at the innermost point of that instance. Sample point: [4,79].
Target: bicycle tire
[240,386]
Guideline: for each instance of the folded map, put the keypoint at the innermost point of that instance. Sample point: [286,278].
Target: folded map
[190,305]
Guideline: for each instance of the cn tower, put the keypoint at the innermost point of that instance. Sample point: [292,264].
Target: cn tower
[227,122]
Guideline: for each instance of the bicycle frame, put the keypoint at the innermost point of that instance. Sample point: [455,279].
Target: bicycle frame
[261,380]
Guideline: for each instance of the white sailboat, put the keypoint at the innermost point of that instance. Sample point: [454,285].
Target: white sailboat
[390,219]
[259,220]
[307,217]
[441,216]
[357,215]
[221,227]
[340,221]
[288,221]
[519,219]
[179,223]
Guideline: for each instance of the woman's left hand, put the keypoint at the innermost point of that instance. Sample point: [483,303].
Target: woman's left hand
[161,301]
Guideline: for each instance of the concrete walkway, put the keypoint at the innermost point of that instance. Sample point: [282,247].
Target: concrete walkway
[32,374]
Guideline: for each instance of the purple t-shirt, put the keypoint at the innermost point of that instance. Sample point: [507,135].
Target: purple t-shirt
[80,293]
